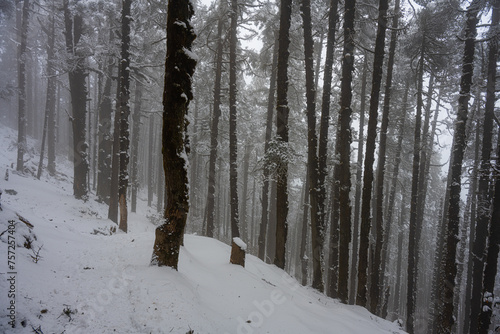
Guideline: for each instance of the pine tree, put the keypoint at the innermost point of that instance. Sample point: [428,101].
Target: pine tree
[124,108]
[214,132]
[378,63]
[21,75]
[490,270]
[179,69]
[74,28]
[237,252]
[282,111]
[343,150]
[317,223]
[447,281]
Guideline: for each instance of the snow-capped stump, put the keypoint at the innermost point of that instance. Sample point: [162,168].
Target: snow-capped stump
[238,248]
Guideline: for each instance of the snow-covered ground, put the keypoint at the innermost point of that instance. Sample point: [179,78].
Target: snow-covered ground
[76,277]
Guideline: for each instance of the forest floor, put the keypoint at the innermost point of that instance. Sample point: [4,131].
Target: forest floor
[69,274]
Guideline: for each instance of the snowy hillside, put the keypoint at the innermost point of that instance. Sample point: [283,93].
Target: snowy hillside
[70,275]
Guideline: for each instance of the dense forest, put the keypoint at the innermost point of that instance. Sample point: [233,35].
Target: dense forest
[353,144]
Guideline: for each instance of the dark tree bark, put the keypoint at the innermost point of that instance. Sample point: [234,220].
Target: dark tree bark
[317,224]
[179,69]
[282,111]
[333,253]
[21,82]
[343,150]
[413,243]
[394,180]
[124,108]
[436,270]
[359,182]
[136,117]
[490,270]
[382,234]
[323,138]
[73,32]
[472,218]
[50,105]
[484,206]
[269,127]
[105,135]
[236,250]
[214,131]
[447,281]
[378,63]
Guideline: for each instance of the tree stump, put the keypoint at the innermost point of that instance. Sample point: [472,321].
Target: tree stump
[238,248]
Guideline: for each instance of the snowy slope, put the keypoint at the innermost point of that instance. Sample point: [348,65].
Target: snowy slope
[88,281]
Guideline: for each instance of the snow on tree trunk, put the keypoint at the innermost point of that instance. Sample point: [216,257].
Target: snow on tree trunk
[124,107]
[179,69]
[21,75]
[282,110]
[490,271]
[447,280]
[368,176]
[77,75]
[343,151]
[214,132]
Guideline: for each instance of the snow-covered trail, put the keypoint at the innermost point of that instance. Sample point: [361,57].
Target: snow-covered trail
[87,280]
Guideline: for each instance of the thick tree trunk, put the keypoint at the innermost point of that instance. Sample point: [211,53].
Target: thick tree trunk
[359,182]
[269,126]
[123,100]
[333,250]
[413,243]
[378,63]
[447,281]
[105,135]
[490,271]
[21,82]
[394,181]
[323,141]
[472,219]
[236,250]
[383,235]
[343,150]
[78,90]
[50,105]
[323,145]
[317,225]
[282,112]
[179,69]
[484,211]
[214,131]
